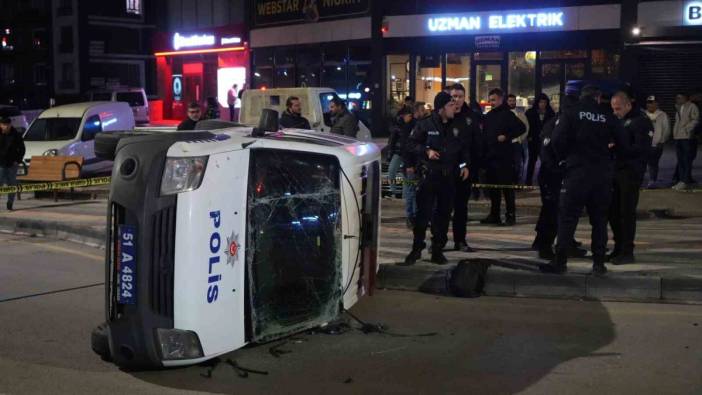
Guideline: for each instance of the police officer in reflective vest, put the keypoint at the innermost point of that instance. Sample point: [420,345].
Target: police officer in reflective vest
[583,138]
[630,167]
[440,153]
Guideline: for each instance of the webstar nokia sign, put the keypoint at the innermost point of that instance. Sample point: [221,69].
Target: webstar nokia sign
[507,21]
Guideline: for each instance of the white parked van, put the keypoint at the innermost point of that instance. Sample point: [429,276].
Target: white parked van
[135,97]
[70,130]
[225,238]
[315,102]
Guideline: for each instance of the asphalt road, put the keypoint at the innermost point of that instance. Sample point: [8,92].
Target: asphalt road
[51,298]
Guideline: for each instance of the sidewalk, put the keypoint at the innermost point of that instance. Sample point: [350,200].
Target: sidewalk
[668,268]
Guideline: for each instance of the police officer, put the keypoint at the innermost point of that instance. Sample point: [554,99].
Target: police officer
[630,167]
[468,124]
[550,180]
[582,138]
[440,154]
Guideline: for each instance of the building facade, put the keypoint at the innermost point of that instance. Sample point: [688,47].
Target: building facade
[376,53]
[25,53]
[201,51]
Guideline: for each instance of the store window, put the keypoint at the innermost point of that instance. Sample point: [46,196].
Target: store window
[479,56]
[605,64]
[488,78]
[565,54]
[551,82]
[359,85]
[309,62]
[428,78]
[263,68]
[334,68]
[522,77]
[397,81]
[285,69]
[458,70]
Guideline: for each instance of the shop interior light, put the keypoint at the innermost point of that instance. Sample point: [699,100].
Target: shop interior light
[200,51]
[636,31]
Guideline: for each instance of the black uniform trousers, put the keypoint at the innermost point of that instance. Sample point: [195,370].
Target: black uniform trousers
[622,212]
[460,210]
[547,225]
[501,173]
[435,193]
[589,187]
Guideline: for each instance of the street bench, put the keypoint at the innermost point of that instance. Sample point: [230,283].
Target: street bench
[52,169]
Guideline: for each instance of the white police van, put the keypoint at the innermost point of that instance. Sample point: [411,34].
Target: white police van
[225,238]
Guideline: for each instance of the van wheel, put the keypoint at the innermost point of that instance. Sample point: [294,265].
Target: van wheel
[100,342]
[106,143]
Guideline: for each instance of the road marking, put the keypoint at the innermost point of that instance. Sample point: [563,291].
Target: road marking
[61,249]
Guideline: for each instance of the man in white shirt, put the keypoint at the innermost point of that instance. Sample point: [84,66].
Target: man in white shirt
[232,97]
[661,134]
[686,118]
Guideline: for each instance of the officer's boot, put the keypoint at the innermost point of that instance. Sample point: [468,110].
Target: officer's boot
[558,265]
[413,256]
[438,257]
[598,266]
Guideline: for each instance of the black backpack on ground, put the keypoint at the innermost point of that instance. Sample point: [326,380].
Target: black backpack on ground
[467,279]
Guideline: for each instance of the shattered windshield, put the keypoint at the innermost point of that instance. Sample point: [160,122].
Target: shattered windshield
[294,241]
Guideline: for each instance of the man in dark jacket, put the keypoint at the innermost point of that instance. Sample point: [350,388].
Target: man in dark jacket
[501,126]
[194,115]
[292,116]
[397,145]
[468,124]
[582,140]
[11,155]
[436,148]
[538,115]
[343,122]
[630,167]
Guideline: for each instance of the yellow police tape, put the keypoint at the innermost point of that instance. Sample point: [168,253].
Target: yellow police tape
[52,186]
[532,187]
[96,181]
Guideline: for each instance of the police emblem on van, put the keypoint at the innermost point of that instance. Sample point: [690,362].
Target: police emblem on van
[233,251]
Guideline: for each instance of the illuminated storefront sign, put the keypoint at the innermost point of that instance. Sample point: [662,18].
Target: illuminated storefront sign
[500,21]
[194,40]
[229,40]
[693,13]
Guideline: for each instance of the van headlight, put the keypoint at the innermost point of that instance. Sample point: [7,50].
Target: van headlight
[178,344]
[183,174]
[50,152]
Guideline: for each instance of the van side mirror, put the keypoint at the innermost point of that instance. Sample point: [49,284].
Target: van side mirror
[267,123]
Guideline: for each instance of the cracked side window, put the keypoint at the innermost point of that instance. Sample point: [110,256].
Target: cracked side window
[293,240]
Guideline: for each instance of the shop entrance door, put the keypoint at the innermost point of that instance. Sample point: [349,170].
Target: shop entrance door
[555,74]
[488,76]
[192,82]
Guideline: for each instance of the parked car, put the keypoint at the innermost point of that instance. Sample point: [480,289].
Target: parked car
[135,97]
[218,239]
[70,130]
[315,104]
[19,120]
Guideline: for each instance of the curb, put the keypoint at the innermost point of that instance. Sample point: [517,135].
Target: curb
[523,283]
[91,236]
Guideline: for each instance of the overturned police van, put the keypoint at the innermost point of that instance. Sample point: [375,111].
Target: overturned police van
[218,239]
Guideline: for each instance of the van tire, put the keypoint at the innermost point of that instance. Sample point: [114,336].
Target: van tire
[106,143]
[100,342]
